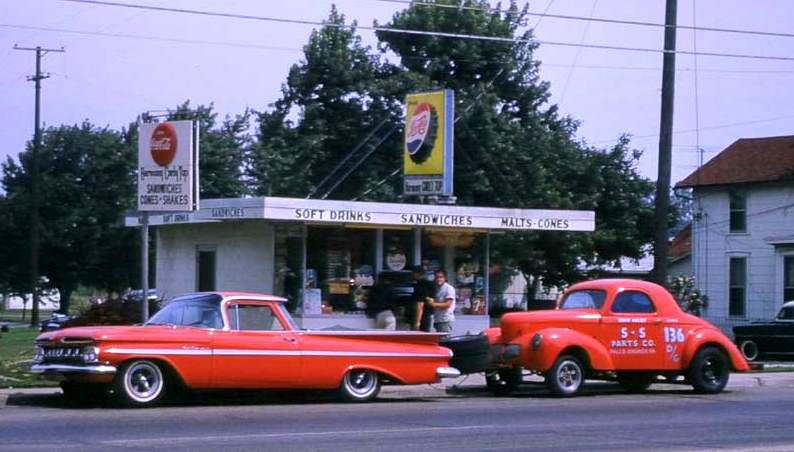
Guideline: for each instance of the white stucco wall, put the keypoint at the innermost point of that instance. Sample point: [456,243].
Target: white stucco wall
[770,213]
[244,256]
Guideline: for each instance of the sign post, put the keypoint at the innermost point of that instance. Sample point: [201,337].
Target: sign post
[167,180]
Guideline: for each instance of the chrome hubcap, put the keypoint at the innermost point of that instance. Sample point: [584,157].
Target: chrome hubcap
[143,381]
[361,383]
[569,375]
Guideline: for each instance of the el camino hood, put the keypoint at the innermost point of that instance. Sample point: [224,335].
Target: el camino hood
[105,332]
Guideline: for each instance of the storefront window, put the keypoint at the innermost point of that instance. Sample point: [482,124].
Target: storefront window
[397,250]
[288,264]
[340,266]
[462,255]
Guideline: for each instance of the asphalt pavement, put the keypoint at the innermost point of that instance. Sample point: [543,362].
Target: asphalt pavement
[752,414]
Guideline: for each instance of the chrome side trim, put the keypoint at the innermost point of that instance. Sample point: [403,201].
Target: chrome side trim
[447,372]
[255,352]
[66,369]
[159,351]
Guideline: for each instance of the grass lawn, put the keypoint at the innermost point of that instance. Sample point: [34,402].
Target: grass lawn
[16,351]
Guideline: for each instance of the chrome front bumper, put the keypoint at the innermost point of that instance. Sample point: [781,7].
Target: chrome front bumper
[447,372]
[94,369]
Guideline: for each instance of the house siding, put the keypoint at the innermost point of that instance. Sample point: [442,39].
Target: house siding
[770,213]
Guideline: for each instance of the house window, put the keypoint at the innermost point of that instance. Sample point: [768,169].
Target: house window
[788,278]
[738,213]
[205,268]
[738,286]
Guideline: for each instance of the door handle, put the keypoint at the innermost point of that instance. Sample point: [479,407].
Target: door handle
[289,339]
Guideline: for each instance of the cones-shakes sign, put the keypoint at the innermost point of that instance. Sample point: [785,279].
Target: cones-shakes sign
[168,166]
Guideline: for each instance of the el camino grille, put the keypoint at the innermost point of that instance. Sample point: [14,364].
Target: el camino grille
[62,354]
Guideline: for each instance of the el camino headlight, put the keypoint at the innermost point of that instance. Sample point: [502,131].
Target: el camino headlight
[537,339]
[38,354]
[90,354]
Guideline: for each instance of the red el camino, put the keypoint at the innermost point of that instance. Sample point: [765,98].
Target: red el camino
[234,340]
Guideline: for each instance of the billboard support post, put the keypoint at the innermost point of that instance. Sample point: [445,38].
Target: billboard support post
[145,266]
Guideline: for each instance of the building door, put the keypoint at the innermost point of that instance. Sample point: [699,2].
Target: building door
[206,268]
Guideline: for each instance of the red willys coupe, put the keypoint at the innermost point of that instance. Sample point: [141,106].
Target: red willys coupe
[234,340]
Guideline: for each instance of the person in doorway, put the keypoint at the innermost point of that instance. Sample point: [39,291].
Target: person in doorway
[421,318]
[380,305]
[444,304]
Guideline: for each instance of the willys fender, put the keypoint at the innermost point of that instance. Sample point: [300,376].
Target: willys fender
[706,336]
[553,342]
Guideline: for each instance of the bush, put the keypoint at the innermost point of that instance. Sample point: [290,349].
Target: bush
[687,295]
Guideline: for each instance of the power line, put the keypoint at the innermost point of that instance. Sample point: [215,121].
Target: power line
[506,40]
[576,56]
[244,45]
[598,19]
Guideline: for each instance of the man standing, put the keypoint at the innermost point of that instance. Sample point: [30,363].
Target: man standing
[444,304]
[424,291]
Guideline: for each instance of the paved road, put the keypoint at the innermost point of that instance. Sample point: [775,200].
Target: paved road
[669,418]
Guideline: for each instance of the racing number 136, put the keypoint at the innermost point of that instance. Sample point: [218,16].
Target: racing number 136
[673,334]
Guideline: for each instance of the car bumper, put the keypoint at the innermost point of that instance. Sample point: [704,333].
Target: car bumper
[447,372]
[60,371]
[505,353]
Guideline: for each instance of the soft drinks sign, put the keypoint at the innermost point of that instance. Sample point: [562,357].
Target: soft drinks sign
[168,166]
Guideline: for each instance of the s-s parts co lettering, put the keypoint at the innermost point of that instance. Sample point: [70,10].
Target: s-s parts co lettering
[534,223]
[333,215]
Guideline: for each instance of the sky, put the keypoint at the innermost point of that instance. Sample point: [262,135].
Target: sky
[111,78]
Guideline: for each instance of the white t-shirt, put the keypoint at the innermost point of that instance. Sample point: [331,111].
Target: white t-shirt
[444,292]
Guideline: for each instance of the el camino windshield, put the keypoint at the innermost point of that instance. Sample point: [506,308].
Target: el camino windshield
[584,299]
[202,311]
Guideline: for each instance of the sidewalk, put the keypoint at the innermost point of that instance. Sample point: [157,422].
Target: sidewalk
[475,384]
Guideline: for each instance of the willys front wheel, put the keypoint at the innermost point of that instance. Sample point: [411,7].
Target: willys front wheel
[566,376]
[360,385]
[709,371]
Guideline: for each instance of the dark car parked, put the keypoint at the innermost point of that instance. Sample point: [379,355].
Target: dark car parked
[775,337]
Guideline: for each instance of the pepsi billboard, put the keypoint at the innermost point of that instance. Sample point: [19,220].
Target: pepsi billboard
[429,132]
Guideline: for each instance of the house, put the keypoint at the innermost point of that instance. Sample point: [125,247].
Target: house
[680,253]
[742,243]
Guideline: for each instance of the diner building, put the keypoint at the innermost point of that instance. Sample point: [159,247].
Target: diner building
[323,256]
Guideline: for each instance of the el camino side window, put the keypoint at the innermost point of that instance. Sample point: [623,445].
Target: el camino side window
[629,302]
[584,299]
[254,318]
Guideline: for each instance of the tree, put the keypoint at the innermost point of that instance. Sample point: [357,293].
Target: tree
[513,149]
[339,93]
[222,150]
[687,295]
[86,182]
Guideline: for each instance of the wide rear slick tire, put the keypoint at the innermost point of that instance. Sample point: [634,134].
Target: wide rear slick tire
[709,371]
[566,376]
[140,383]
[359,385]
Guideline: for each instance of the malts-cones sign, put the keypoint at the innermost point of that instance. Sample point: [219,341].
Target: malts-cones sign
[429,132]
[168,166]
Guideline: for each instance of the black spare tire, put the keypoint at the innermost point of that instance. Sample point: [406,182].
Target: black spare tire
[466,345]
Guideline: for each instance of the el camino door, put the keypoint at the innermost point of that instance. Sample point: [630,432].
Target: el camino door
[259,350]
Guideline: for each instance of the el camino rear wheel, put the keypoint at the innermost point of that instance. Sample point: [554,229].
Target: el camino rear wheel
[140,383]
[360,385]
[749,350]
[709,371]
[566,376]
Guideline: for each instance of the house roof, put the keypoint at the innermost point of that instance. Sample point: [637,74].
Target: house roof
[681,246]
[747,160]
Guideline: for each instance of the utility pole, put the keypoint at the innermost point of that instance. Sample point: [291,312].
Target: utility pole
[34,182]
[661,230]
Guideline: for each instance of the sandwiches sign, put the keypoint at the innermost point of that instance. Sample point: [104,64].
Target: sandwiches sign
[168,166]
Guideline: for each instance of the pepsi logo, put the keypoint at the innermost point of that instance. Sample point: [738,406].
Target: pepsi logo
[163,144]
[421,134]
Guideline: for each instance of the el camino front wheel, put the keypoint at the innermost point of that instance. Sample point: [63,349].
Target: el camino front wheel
[360,385]
[139,383]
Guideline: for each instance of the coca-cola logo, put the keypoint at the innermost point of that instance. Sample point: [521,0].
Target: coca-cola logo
[163,144]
